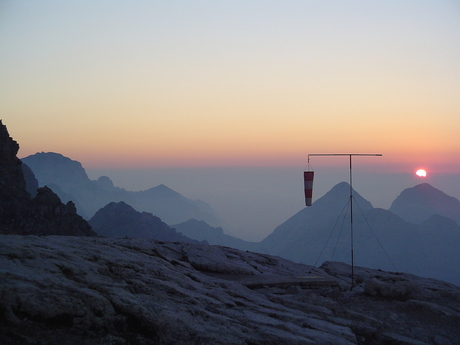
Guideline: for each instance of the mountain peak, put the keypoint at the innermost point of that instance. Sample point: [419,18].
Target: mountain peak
[339,195]
[164,192]
[309,224]
[106,184]
[418,203]
[54,168]
[118,219]
[424,188]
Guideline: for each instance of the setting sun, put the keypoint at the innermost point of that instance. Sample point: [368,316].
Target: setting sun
[421,173]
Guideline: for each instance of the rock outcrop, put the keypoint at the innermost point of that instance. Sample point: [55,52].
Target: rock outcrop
[31,181]
[44,214]
[59,290]
[13,193]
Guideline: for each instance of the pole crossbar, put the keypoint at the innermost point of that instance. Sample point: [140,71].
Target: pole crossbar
[351,195]
[344,154]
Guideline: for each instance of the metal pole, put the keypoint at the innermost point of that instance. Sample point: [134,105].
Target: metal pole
[351,199]
[351,228]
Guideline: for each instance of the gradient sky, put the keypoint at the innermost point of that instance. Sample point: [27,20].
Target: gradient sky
[181,84]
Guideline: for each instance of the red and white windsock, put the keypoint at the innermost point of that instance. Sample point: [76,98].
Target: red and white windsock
[308,181]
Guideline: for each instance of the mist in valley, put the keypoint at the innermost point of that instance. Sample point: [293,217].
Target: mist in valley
[253,201]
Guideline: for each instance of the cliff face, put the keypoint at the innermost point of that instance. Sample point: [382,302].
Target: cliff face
[44,214]
[13,194]
[31,181]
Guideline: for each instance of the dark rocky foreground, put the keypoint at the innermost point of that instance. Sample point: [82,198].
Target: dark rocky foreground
[87,290]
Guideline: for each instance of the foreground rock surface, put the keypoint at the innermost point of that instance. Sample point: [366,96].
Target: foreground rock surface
[77,290]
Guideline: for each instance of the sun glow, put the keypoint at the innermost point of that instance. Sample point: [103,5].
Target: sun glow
[421,173]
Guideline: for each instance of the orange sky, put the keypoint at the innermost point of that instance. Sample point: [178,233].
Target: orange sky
[155,84]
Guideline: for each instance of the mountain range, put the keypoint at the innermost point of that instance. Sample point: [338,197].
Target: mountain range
[418,234]
[382,239]
[78,288]
[68,179]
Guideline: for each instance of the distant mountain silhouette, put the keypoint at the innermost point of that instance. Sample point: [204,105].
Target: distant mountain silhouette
[121,220]
[418,203]
[69,180]
[202,231]
[381,239]
[310,225]
[300,237]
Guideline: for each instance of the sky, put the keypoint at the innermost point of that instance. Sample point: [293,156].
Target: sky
[223,100]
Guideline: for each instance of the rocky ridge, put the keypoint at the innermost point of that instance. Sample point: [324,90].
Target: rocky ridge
[44,214]
[76,290]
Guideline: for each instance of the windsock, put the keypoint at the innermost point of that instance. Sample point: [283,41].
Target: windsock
[308,181]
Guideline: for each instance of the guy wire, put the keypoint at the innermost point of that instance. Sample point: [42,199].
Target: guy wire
[330,234]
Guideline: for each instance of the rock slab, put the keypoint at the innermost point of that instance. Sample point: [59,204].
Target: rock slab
[89,290]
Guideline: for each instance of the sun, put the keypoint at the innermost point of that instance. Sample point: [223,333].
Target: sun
[421,173]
